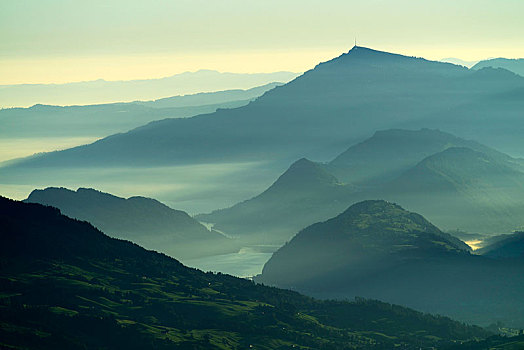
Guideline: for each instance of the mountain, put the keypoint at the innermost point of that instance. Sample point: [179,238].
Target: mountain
[104,119]
[329,107]
[513,65]
[467,189]
[303,194]
[376,249]
[388,153]
[64,284]
[101,91]
[457,183]
[511,247]
[142,220]
[459,62]
[210,98]
[368,231]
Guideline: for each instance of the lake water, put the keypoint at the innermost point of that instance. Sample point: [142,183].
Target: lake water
[247,262]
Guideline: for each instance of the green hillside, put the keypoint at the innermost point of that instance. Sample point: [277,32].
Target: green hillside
[65,284]
[142,220]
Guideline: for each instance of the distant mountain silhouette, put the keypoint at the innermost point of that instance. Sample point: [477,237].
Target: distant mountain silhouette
[142,220]
[511,247]
[514,65]
[376,249]
[337,103]
[102,91]
[104,119]
[210,98]
[463,188]
[456,183]
[66,285]
[303,194]
[304,175]
[459,62]
[389,153]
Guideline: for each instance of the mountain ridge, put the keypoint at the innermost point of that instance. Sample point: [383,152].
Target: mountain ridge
[143,220]
[403,166]
[515,65]
[377,249]
[60,276]
[407,88]
[102,91]
[305,185]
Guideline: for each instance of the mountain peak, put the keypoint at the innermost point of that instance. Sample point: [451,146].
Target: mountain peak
[356,242]
[364,62]
[390,222]
[383,215]
[388,153]
[306,174]
[360,52]
[304,163]
[373,206]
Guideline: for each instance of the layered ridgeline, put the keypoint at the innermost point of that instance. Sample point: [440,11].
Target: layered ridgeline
[389,153]
[511,247]
[102,91]
[142,220]
[456,183]
[317,114]
[376,249]
[304,194]
[104,119]
[514,65]
[64,284]
[463,188]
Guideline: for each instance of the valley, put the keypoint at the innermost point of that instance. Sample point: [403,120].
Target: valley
[375,201]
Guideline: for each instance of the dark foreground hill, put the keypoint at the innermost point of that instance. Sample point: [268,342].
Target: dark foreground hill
[376,249]
[142,220]
[64,284]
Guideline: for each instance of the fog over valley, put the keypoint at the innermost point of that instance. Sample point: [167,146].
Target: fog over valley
[272,176]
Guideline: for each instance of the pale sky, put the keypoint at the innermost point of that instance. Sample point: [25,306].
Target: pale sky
[44,41]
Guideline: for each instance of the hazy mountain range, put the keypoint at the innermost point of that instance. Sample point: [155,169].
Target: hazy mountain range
[61,277]
[514,65]
[346,170]
[41,128]
[457,183]
[323,111]
[104,119]
[101,91]
[459,62]
[142,220]
[377,249]
[511,247]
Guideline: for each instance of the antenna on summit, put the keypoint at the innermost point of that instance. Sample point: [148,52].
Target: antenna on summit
[355,41]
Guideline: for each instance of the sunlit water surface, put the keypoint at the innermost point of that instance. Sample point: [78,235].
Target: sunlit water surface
[247,262]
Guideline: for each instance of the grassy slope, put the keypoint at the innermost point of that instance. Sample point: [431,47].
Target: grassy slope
[63,284]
